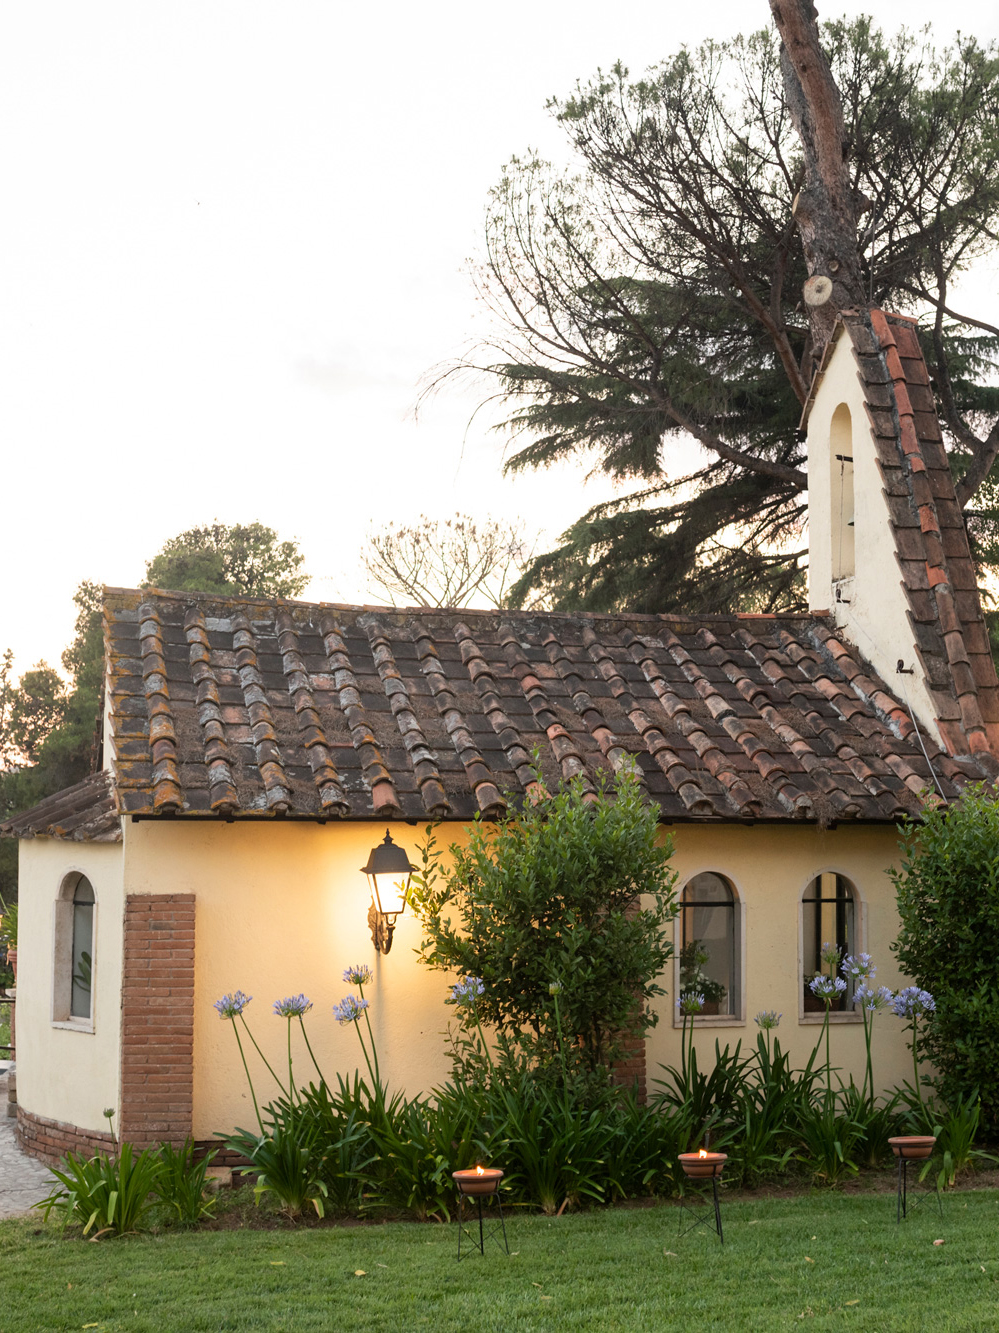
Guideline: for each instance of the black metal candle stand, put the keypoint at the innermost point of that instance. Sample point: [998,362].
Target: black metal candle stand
[485,1232]
[902,1203]
[699,1220]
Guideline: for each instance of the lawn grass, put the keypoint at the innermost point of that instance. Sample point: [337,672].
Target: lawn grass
[821,1261]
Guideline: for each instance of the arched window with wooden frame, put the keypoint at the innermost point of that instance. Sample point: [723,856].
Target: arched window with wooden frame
[709,944]
[73,961]
[829,916]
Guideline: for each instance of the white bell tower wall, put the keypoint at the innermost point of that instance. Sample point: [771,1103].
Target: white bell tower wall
[853,570]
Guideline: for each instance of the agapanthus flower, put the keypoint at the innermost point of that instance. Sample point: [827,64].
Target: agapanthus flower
[830,953]
[826,988]
[349,1009]
[861,968]
[873,1000]
[555,988]
[230,1006]
[467,991]
[690,1001]
[358,975]
[768,1019]
[910,1002]
[292,1006]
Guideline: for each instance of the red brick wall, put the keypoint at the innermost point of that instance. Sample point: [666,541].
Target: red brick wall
[51,1139]
[631,1067]
[157,1019]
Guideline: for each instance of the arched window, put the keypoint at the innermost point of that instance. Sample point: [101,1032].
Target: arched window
[73,980]
[828,917]
[841,497]
[708,954]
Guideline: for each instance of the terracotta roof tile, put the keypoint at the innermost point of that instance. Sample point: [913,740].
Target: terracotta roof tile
[86,812]
[283,709]
[930,538]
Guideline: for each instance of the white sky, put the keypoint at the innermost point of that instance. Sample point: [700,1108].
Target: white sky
[231,243]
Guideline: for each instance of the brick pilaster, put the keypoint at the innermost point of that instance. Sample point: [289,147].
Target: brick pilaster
[630,1068]
[157,1019]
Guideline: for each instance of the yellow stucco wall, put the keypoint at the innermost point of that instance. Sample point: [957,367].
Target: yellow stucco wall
[63,1072]
[770,868]
[281,908]
[873,610]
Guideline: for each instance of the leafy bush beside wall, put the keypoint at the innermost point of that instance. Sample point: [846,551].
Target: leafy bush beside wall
[948,901]
[573,890]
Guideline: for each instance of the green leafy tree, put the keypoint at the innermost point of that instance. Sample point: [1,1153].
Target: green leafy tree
[239,558]
[648,305]
[573,891]
[948,902]
[37,707]
[49,733]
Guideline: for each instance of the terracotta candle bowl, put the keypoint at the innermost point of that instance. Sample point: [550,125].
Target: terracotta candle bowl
[917,1147]
[478,1179]
[703,1165]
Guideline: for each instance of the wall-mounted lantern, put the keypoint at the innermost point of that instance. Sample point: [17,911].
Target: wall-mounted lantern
[389,872]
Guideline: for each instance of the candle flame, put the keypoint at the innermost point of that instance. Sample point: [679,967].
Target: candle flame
[701,1152]
[479,1171]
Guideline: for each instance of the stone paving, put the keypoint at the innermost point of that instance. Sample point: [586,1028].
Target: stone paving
[22,1179]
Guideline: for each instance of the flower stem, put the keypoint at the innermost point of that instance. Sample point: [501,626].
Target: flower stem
[374,1049]
[309,1048]
[915,1062]
[248,1079]
[291,1077]
[828,1061]
[260,1053]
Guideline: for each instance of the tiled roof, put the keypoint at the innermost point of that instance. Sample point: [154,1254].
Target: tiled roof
[85,812]
[234,707]
[931,542]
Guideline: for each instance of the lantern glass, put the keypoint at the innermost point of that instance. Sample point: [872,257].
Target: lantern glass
[389,872]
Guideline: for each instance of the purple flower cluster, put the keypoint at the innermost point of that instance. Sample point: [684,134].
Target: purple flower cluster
[358,975]
[861,968]
[292,1006]
[690,1002]
[826,988]
[910,1002]
[349,1009]
[873,1000]
[231,1006]
[768,1019]
[467,991]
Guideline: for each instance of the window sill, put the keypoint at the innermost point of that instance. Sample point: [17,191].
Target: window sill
[711,1021]
[816,1020]
[74,1024]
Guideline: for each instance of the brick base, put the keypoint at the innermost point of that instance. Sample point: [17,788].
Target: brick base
[631,1069]
[157,1019]
[50,1140]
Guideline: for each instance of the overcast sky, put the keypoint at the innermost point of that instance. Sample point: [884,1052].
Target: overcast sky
[232,242]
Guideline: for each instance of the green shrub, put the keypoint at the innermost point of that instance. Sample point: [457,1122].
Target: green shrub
[106,1193]
[289,1165]
[182,1184]
[554,895]
[948,901]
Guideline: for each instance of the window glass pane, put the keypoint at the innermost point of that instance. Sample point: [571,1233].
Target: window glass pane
[828,917]
[83,948]
[707,949]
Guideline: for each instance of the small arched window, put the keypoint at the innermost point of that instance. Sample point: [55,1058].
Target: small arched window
[841,495]
[828,918]
[708,952]
[73,979]
[83,949]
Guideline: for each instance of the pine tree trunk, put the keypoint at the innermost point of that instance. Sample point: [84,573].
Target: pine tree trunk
[827,208]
